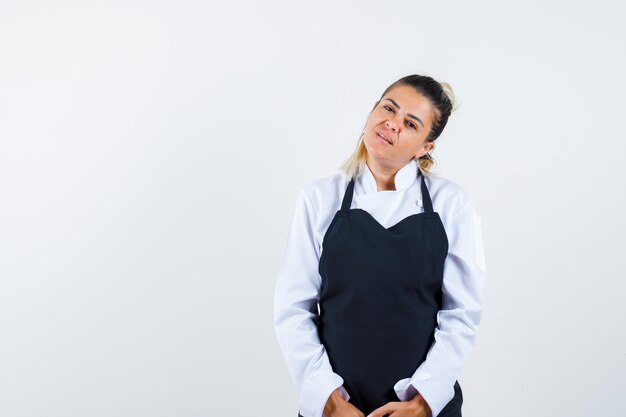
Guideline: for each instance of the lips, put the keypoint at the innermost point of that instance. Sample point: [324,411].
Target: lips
[385,136]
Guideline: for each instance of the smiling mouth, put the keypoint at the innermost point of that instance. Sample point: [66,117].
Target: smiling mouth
[384,138]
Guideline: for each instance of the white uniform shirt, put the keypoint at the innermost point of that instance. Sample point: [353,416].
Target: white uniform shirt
[297,289]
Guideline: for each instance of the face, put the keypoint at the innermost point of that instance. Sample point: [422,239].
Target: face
[404,117]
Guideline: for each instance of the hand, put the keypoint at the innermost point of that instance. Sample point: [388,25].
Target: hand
[417,407]
[337,406]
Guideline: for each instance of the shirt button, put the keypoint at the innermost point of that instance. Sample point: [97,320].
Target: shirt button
[418,202]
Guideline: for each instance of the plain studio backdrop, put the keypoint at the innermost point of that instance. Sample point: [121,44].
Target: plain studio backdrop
[151,154]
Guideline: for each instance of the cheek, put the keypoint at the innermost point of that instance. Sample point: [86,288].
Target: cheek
[374,120]
[412,139]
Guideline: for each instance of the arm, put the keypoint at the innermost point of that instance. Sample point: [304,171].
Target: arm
[296,315]
[463,282]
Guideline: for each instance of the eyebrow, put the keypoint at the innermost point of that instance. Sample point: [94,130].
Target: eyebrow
[410,115]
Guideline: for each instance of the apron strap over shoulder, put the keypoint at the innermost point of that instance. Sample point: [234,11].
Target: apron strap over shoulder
[428,205]
[347,197]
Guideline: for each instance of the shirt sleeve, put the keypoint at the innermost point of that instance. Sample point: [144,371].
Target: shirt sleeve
[457,322]
[296,314]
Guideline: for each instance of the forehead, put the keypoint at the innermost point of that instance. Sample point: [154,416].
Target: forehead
[410,101]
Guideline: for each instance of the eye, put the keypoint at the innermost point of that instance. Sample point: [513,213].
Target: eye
[389,108]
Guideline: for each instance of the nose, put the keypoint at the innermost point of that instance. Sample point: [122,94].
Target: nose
[392,124]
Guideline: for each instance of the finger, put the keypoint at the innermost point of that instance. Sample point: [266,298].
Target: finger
[385,409]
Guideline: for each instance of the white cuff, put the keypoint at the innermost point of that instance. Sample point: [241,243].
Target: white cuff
[435,391]
[315,392]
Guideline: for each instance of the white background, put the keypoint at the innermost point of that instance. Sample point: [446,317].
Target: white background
[150,158]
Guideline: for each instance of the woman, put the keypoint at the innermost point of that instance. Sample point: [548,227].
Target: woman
[379,292]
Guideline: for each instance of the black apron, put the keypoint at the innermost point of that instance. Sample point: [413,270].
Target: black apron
[380,293]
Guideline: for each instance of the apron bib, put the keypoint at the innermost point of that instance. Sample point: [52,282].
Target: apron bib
[380,293]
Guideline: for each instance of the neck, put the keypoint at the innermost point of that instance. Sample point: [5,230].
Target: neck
[383,174]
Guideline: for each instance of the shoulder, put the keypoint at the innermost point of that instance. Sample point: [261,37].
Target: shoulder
[326,191]
[446,194]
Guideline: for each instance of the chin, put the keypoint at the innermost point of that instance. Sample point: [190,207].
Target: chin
[375,151]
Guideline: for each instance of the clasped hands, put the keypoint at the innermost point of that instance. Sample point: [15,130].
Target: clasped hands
[337,406]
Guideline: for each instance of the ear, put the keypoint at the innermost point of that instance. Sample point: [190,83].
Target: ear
[428,147]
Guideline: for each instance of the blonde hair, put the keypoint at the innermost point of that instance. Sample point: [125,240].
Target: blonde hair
[443,100]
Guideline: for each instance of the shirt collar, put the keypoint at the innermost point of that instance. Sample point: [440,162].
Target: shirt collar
[403,178]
